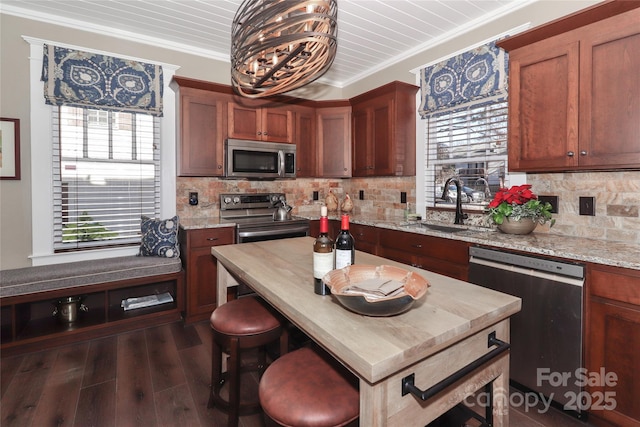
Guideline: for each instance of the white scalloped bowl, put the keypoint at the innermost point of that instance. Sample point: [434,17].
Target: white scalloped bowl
[415,287]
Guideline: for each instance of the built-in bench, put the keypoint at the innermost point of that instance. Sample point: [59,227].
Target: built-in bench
[29,296]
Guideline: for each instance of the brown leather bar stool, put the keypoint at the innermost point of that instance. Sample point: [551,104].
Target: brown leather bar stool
[241,324]
[307,388]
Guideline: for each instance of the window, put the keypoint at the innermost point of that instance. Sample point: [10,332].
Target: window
[106,176]
[470,144]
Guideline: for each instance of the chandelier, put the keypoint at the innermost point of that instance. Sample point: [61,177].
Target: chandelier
[281,45]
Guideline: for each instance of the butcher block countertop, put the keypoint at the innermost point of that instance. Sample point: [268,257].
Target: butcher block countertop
[281,271]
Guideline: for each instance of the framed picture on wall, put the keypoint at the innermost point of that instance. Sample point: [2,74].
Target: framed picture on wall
[9,148]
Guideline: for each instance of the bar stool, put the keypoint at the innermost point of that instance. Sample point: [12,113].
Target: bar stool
[307,388]
[241,324]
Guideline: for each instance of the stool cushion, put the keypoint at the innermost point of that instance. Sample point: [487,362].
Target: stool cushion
[243,316]
[302,388]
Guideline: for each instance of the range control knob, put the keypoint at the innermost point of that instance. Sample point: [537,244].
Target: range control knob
[227,200]
[236,200]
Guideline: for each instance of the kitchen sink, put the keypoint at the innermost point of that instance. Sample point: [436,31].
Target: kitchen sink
[444,228]
[436,227]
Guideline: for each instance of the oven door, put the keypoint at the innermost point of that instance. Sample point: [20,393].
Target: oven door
[248,235]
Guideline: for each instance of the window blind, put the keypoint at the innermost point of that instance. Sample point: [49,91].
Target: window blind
[106,176]
[470,144]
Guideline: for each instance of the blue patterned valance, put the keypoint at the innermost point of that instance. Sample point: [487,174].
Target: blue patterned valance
[83,79]
[470,77]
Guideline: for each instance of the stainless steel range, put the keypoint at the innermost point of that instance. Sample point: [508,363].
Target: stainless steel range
[260,217]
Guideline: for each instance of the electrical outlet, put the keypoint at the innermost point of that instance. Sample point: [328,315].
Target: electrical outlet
[587,206]
[361,195]
[403,197]
[193,198]
[315,195]
[552,200]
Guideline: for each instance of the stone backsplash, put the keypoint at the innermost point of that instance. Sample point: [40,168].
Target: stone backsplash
[381,196]
[617,203]
[617,199]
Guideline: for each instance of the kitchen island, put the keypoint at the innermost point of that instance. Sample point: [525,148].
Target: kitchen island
[442,334]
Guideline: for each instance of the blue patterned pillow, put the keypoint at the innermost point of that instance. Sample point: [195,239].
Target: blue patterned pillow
[159,237]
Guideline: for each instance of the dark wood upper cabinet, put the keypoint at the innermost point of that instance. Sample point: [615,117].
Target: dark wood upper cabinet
[384,131]
[574,92]
[253,122]
[201,132]
[334,142]
[305,139]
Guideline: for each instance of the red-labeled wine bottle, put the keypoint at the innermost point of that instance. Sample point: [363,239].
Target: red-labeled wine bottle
[345,245]
[323,260]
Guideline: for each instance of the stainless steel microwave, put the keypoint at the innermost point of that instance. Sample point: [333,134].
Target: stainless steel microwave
[259,160]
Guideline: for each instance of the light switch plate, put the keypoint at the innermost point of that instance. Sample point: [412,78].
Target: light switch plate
[552,200]
[587,206]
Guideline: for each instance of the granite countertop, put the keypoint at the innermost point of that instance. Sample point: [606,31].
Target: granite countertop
[619,254]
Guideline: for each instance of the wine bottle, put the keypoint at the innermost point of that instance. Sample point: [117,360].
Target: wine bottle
[345,245]
[323,261]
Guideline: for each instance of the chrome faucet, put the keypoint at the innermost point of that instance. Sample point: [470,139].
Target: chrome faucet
[459,215]
[487,190]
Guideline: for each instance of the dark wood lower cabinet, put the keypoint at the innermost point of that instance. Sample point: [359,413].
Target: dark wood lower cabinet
[448,257]
[366,238]
[201,269]
[613,345]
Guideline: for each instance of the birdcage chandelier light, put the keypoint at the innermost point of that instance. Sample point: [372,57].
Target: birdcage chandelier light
[281,45]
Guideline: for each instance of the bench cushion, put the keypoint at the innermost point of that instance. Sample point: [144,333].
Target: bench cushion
[28,280]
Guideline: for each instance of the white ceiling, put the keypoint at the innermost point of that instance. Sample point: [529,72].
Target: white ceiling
[372,34]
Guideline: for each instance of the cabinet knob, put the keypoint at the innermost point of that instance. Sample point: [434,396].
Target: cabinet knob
[212,239]
[259,133]
[418,246]
[219,166]
[583,153]
[264,133]
[570,153]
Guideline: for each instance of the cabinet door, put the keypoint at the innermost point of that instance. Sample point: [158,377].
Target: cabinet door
[610,92]
[383,141]
[305,140]
[334,142]
[201,133]
[613,342]
[202,270]
[366,238]
[248,121]
[543,105]
[361,140]
[443,256]
[277,124]
[244,122]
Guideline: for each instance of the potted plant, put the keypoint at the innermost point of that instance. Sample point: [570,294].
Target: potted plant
[517,210]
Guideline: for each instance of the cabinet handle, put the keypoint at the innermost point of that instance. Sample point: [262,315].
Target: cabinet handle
[418,246]
[264,133]
[212,239]
[583,153]
[259,133]
[570,153]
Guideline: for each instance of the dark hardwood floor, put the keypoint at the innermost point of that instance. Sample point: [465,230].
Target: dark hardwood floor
[153,377]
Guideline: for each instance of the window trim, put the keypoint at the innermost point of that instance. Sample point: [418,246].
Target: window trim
[42,162]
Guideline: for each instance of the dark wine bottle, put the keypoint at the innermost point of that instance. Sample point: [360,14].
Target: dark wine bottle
[345,245]
[323,261]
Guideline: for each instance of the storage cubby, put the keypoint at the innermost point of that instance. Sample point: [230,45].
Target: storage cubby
[29,323]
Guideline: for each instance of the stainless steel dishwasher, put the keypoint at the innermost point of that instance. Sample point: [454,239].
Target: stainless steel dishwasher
[546,335]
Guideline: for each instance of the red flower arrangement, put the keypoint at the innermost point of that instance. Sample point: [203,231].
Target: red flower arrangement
[519,202]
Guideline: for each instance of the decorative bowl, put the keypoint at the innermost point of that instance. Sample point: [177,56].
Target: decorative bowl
[411,287]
